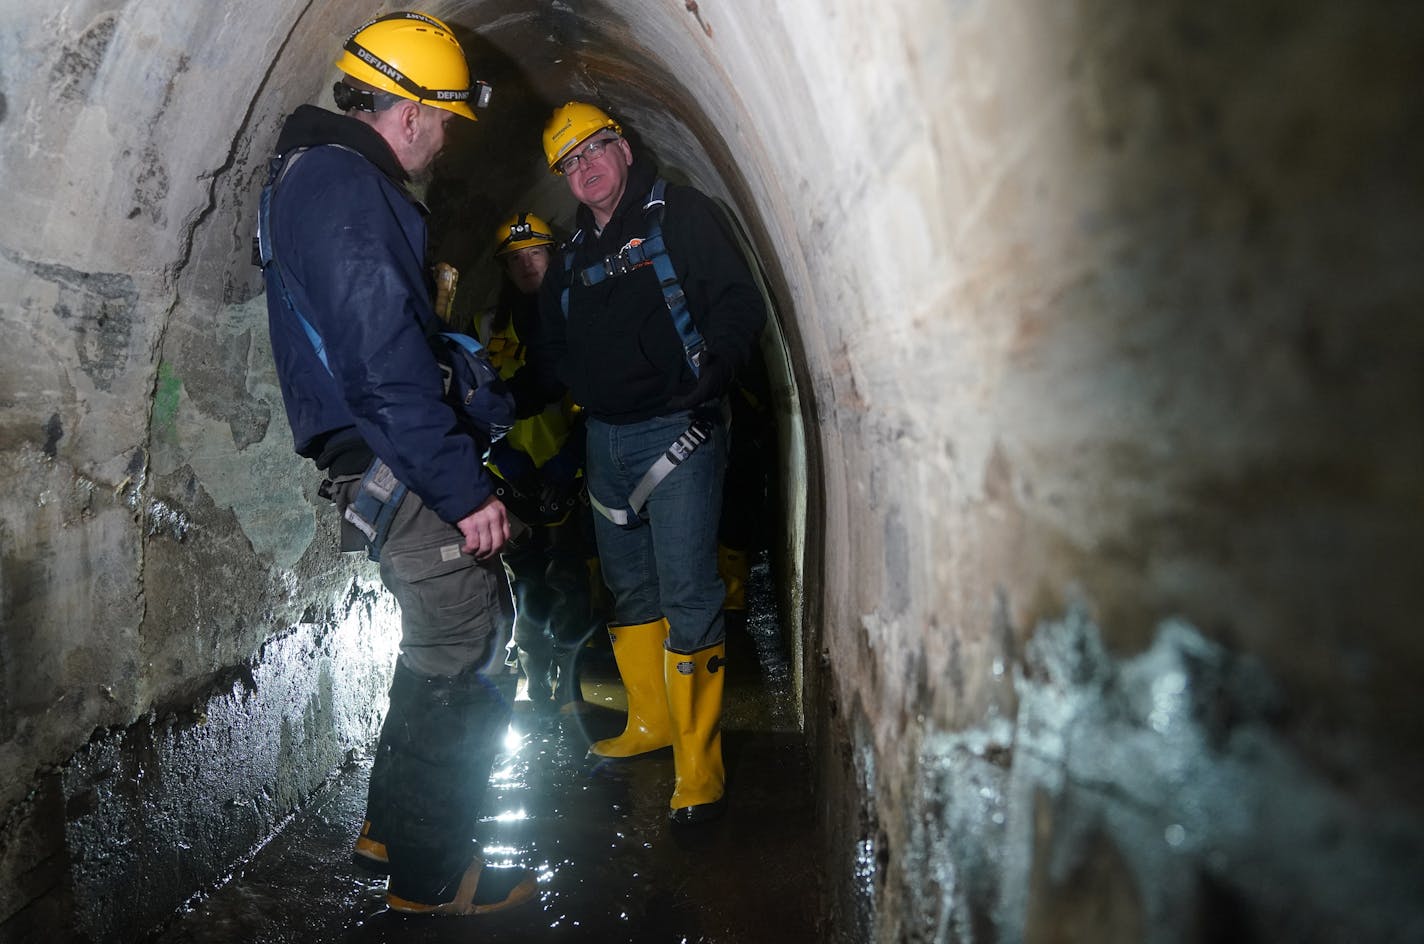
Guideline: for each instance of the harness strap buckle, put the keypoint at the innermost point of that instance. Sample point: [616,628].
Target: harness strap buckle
[630,515]
[374,507]
[615,265]
[697,354]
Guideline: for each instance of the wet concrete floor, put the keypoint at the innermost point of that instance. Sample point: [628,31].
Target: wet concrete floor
[610,866]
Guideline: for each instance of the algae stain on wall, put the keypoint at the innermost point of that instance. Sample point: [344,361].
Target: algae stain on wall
[165,400]
[246,469]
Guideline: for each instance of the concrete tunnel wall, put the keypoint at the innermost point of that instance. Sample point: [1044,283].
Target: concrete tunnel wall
[1103,324]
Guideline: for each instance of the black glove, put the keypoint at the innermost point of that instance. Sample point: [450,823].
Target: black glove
[559,479]
[516,468]
[713,379]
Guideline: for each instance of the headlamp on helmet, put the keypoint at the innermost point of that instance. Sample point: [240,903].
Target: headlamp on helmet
[522,232]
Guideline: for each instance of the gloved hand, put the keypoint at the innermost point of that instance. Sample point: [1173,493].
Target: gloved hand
[561,469]
[516,468]
[559,479]
[713,380]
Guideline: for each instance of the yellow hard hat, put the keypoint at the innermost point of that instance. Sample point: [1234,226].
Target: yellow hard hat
[520,232]
[414,56]
[571,123]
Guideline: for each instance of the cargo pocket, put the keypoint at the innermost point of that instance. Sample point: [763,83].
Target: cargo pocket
[445,596]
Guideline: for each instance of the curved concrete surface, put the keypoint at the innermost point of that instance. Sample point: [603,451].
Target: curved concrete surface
[1104,543]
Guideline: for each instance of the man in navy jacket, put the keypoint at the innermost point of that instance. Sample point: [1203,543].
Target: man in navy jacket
[350,314]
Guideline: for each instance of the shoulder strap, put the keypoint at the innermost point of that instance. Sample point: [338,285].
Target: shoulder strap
[277,167]
[264,254]
[470,344]
[575,241]
[657,199]
[655,249]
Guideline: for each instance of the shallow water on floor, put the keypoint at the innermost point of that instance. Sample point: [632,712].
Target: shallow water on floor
[610,866]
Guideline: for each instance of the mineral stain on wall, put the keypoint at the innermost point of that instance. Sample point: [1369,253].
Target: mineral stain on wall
[78,62]
[101,308]
[165,398]
[1143,799]
[53,433]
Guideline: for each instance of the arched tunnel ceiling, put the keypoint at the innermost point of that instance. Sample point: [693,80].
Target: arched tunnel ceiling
[139,138]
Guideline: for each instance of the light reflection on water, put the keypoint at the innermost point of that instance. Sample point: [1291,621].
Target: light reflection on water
[509,816]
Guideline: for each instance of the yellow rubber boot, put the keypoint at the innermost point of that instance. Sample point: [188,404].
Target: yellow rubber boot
[694,691]
[734,570]
[638,650]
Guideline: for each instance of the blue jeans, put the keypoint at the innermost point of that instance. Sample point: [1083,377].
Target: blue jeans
[668,565]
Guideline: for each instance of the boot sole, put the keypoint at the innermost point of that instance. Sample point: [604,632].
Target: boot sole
[518,895]
[643,753]
[700,813]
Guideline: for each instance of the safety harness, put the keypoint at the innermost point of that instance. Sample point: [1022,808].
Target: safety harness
[650,250]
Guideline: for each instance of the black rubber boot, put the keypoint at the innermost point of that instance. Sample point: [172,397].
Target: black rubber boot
[568,692]
[370,851]
[440,750]
[480,889]
[538,671]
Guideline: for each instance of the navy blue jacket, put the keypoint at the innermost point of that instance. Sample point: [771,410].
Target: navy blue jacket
[618,352]
[349,241]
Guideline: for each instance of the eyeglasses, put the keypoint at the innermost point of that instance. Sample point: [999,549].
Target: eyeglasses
[591,152]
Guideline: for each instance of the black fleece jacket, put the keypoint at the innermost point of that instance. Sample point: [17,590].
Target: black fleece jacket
[618,352]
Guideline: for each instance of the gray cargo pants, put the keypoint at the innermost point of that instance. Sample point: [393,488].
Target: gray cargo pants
[450,603]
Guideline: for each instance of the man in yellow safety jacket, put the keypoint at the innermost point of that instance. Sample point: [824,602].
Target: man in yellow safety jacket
[540,465]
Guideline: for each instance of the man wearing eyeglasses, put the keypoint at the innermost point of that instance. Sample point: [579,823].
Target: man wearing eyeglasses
[648,320]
